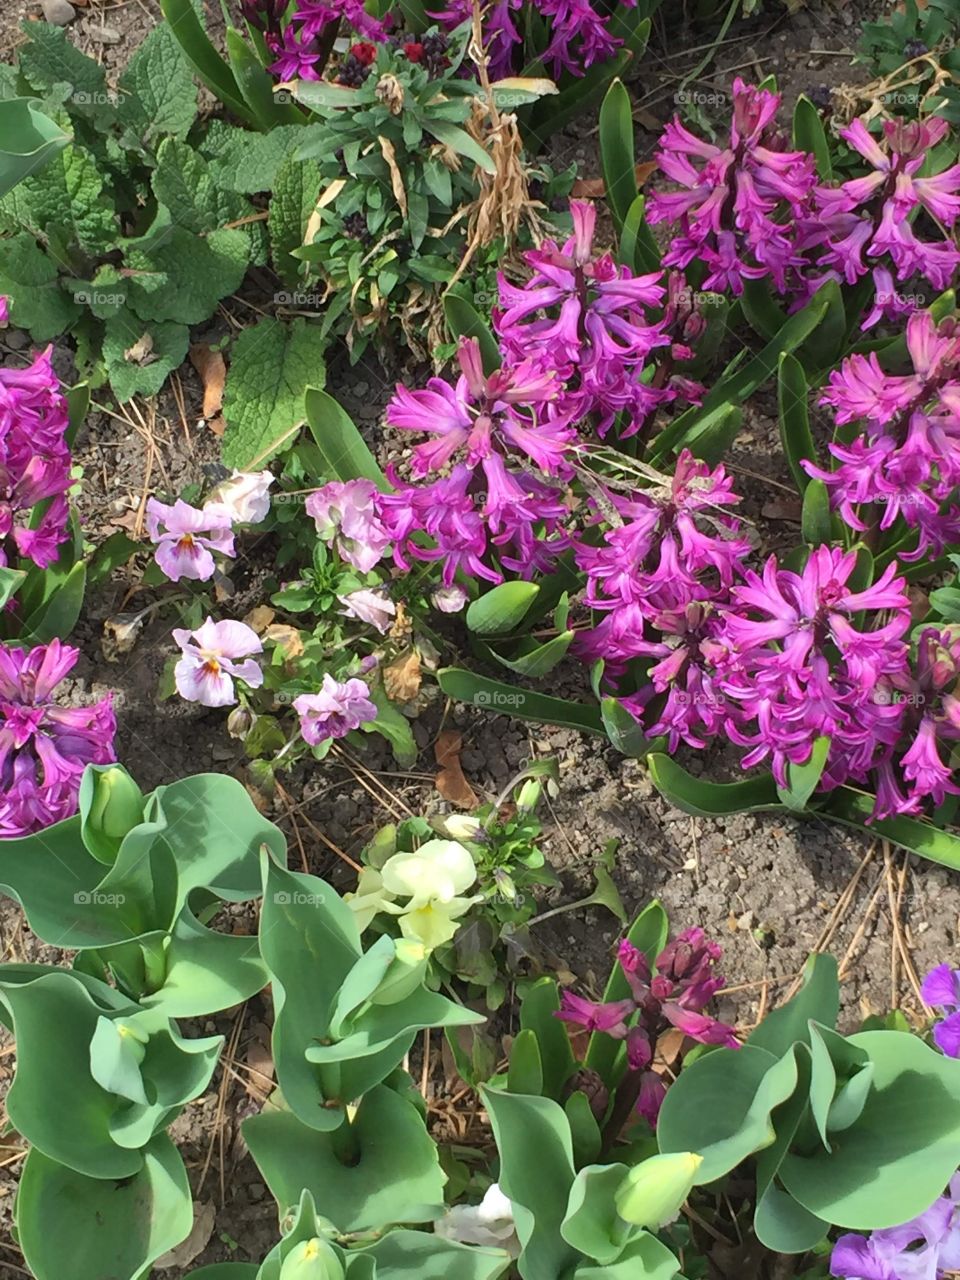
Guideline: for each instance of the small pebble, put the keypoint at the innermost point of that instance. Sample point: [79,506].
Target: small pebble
[60,12]
[103,35]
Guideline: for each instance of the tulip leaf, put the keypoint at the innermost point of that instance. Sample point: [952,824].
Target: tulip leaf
[383,1167]
[29,140]
[795,435]
[525,1072]
[212,69]
[854,808]
[591,1224]
[107,1227]
[538,1014]
[536,1173]
[430,1257]
[818,1000]
[645,1256]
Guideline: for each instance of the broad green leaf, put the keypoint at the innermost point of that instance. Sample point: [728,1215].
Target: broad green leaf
[293,200]
[464,321]
[842,1076]
[248,162]
[644,1257]
[212,69]
[226,1271]
[617,152]
[206,971]
[525,1072]
[637,249]
[344,450]
[28,140]
[10,582]
[179,276]
[64,202]
[584,1130]
[158,97]
[141,354]
[592,1224]
[898,1157]
[389,1170]
[423,1256]
[525,704]
[803,779]
[393,725]
[56,617]
[818,1000]
[51,62]
[184,184]
[460,141]
[29,278]
[108,1227]
[625,731]
[271,367]
[536,1173]
[710,799]
[720,1107]
[501,609]
[257,85]
[538,660]
[795,434]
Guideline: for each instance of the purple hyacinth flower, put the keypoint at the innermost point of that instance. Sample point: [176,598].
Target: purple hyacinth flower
[941,990]
[44,748]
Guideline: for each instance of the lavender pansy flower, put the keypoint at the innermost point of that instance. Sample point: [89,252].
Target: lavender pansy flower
[336,710]
[186,538]
[346,514]
[206,671]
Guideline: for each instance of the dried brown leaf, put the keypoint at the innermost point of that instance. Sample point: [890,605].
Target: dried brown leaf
[260,618]
[451,780]
[402,677]
[212,368]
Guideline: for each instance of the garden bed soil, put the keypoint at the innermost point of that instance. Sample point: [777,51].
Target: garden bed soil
[771,888]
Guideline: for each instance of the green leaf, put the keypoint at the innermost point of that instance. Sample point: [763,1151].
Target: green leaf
[30,279]
[294,198]
[344,450]
[184,184]
[584,1130]
[50,62]
[536,1173]
[10,582]
[720,1107]
[271,367]
[393,725]
[116,1228]
[537,661]
[854,808]
[502,609]
[625,731]
[212,69]
[638,250]
[176,275]
[460,141]
[645,1257]
[898,1156]
[28,140]
[525,1072]
[809,135]
[248,162]
[795,434]
[140,355]
[818,1000]
[618,153]
[392,1175]
[711,799]
[803,779]
[256,84]
[57,614]
[464,321]
[64,201]
[525,704]
[592,1224]
[158,97]
[736,388]
[538,1011]
[816,520]
[429,1257]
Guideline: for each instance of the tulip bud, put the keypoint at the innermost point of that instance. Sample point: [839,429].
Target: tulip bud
[312,1260]
[651,1194]
[404,974]
[114,808]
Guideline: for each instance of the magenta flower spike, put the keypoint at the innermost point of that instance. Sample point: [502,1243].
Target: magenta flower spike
[44,748]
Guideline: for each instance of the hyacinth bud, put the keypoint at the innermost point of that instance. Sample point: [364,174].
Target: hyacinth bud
[116,807]
[404,974]
[651,1194]
[312,1260]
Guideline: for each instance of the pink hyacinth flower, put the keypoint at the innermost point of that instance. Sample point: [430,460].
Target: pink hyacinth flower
[206,671]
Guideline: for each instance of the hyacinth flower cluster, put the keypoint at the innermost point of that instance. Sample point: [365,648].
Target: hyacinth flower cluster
[739,204]
[44,747]
[34,463]
[941,990]
[754,209]
[925,1248]
[674,993]
[300,41]
[903,465]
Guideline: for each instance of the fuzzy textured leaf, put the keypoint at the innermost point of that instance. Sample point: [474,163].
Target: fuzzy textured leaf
[158,94]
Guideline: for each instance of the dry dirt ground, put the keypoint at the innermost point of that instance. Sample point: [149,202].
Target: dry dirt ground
[771,888]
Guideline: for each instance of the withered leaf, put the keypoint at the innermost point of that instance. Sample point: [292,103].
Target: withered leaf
[451,780]
[402,677]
